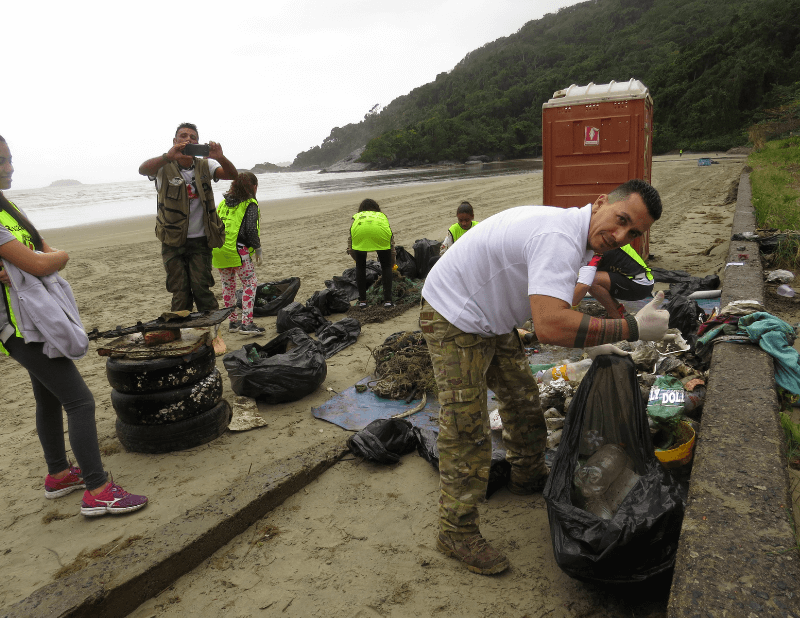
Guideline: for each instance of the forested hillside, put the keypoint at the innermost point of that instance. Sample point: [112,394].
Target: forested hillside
[713,68]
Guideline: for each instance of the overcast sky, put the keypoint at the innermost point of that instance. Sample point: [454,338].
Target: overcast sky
[92,89]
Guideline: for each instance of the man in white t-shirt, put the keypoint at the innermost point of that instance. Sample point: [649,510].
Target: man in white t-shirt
[187,223]
[517,265]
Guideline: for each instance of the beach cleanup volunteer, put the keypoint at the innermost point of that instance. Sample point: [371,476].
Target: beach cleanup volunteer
[41,330]
[187,223]
[370,231]
[242,217]
[517,265]
[619,274]
[466,221]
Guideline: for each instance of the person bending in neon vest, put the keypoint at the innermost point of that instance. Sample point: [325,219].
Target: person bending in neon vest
[618,274]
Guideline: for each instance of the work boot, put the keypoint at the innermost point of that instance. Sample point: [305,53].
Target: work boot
[524,483]
[474,551]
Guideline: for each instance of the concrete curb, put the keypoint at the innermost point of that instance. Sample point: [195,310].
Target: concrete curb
[737,554]
[113,586]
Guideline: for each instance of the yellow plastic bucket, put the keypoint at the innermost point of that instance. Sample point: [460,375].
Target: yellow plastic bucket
[682,454]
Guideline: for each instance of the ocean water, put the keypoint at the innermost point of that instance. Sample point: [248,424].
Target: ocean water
[58,207]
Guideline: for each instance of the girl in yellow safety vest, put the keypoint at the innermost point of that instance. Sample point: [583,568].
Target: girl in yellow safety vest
[370,231]
[56,382]
[240,213]
[466,221]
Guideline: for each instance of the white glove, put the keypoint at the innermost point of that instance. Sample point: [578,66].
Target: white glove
[652,321]
[586,274]
[606,348]
[258,255]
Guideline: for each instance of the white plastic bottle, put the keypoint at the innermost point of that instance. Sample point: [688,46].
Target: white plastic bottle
[573,372]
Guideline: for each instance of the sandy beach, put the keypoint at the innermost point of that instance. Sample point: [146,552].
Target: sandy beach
[360,540]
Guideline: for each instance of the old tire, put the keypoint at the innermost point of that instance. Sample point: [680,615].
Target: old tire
[179,436]
[169,406]
[152,375]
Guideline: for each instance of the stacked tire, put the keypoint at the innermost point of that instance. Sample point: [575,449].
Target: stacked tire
[168,403]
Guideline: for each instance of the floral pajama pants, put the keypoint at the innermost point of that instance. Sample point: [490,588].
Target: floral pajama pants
[247,274]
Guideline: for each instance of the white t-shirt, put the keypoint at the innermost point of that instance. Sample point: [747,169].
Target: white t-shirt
[196,227]
[482,283]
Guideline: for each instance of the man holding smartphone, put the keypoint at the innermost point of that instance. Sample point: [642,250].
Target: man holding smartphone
[187,223]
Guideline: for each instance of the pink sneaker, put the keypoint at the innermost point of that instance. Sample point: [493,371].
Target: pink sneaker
[56,488]
[113,499]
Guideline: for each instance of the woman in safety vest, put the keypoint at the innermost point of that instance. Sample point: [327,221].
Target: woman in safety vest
[466,221]
[370,231]
[242,217]
[56,381]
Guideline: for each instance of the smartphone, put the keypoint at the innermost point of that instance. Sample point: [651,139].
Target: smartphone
[196,150]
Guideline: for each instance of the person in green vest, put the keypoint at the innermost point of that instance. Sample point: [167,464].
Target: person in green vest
[466,221]
[240,212]
[57,384]
[370,231]
[617,274]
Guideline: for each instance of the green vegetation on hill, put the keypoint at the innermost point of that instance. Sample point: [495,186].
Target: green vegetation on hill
[711,67]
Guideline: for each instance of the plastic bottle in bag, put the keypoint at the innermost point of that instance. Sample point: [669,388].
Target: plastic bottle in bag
[601,469]
[573,372]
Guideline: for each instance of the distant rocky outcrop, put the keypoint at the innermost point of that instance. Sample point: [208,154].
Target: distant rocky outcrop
[348,164]
[65,183]
[267,168]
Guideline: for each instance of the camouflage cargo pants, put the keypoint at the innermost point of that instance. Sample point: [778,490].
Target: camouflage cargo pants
[189,276]
[465,365]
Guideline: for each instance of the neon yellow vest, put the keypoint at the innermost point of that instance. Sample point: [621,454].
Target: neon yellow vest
[456,231]
[370,231]
[637,258]
[227,256]
[22,235]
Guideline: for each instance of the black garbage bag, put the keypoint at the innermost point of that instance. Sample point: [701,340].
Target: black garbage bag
[640,539]
[339,335]
[295,315]
[684,288]
[424,250]
[662,275]
[329,301]
[272,296]
[685,315]
[682,283]
[346,282]
[276,373]
[499,469]
[405,262]
[384,440]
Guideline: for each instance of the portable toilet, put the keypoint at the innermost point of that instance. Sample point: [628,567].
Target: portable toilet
[594,138]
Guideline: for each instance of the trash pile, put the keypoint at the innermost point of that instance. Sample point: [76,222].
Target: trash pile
[615,513]
[667,372]
[407,282]
[405,291]
[403,367]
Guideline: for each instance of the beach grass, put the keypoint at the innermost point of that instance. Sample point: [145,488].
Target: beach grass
[775,182]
